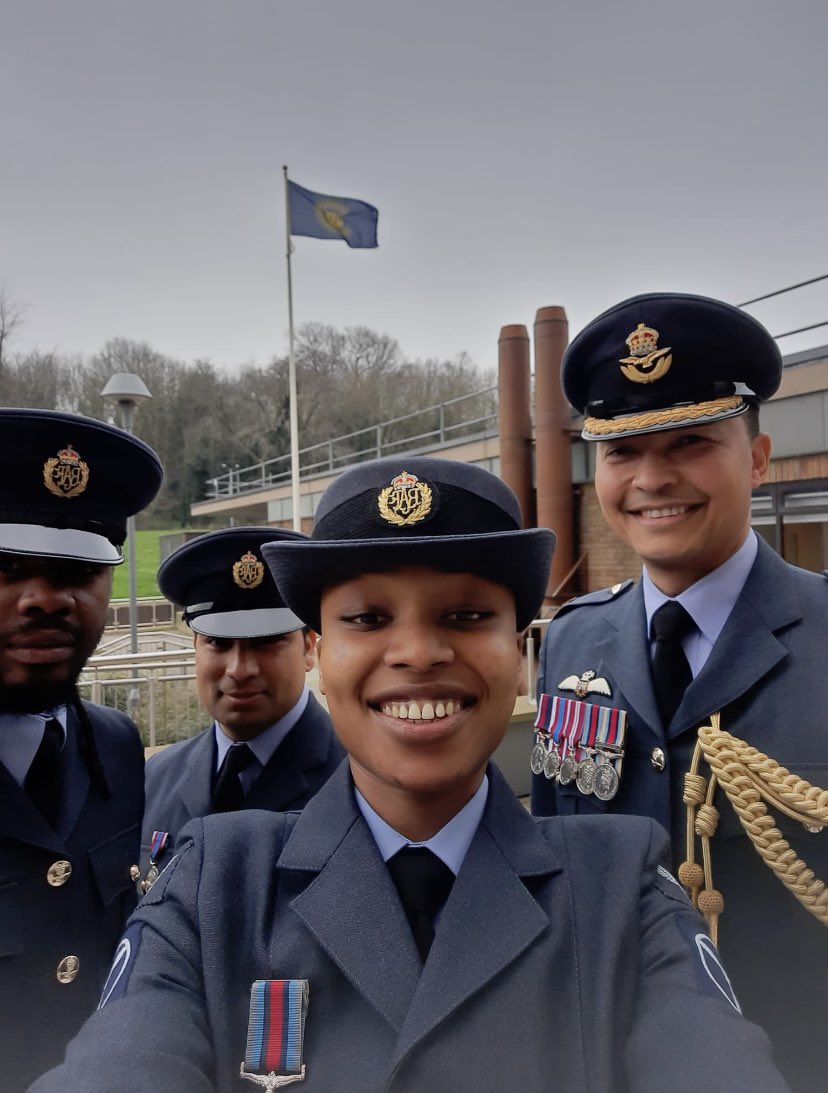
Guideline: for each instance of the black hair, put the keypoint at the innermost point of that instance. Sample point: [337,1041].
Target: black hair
[89,748]
[751,416]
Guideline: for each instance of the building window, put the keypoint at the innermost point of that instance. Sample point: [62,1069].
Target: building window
[793,518]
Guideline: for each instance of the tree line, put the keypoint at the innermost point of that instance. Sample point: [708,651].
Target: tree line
[202,420]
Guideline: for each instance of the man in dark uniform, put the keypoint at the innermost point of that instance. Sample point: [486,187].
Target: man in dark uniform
[71,774]
[271,744]
[718,624]
[413,929]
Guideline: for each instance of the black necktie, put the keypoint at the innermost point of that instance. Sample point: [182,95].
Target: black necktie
[228,794]
[423,882]
[45,777]
[671,672]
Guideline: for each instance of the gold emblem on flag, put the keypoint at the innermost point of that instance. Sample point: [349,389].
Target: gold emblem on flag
[406,501]
[331,213]
[647,363]
[65,474]
[248,571]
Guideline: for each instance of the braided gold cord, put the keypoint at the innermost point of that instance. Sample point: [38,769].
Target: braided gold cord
[647,419]
[750,778]
[702,821]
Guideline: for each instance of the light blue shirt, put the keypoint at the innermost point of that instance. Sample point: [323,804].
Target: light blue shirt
[708,602]
[264,745]
[450,844]
[20,737]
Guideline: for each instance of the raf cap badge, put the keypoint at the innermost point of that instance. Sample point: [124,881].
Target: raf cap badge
[406,501]
[648,362]
[586,683]
[65,474]
[248,571]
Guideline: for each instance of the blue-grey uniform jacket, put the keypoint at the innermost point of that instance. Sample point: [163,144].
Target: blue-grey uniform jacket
[65,894]
[563,960]
[179,779]
[768,675]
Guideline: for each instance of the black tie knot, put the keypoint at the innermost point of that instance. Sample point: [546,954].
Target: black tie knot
[671,672]
[423,883]
[671,622]
[228,794]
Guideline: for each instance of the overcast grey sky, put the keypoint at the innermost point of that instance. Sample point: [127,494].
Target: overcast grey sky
[520,154]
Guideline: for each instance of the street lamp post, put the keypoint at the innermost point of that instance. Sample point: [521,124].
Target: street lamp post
[127,390]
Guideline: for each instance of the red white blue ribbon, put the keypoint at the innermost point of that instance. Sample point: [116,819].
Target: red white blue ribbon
[159,841]
[276,1028]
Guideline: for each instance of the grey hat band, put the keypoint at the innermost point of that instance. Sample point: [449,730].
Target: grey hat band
[38,540]
[258,622]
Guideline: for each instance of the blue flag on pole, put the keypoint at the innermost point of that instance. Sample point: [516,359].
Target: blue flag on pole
[323,217]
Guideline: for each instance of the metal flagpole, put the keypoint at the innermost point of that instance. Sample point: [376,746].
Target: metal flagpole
[294,414]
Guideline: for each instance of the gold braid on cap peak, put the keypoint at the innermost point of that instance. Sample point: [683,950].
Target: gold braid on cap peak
[749,779]
[650,419]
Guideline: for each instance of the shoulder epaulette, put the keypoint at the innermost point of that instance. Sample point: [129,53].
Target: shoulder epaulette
[603,595]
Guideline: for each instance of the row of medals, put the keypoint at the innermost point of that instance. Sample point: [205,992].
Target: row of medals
[596,774]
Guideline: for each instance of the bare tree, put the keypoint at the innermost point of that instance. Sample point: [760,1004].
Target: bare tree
[11,316]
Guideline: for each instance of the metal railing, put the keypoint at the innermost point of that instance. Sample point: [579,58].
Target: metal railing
[467,417]
[156,689]
[153,611]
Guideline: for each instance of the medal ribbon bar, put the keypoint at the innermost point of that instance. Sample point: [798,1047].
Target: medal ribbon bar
[159,841]
[276,1028]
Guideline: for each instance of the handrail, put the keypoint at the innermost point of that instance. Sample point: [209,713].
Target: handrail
[276,470]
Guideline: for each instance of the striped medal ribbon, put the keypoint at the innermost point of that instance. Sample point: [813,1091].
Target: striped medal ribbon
[559,719]
[275,1032]
[159,841]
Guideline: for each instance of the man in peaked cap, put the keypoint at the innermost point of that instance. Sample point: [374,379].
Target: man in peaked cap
[669,386]
[71,774]
[271,744]
[413,929]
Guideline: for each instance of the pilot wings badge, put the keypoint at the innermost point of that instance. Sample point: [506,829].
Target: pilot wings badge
[587,683]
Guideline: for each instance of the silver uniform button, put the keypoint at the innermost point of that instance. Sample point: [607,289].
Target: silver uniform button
[59,873]
[67,969]
[657,759]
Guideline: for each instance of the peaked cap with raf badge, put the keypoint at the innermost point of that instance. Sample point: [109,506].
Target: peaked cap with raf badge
[227,592]
[667,360]
[224,587]
[379,516]
[69,484]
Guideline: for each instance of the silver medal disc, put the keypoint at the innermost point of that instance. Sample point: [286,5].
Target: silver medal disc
[551,763]
[586,777]
[538,756]
[606,782]
[569,768]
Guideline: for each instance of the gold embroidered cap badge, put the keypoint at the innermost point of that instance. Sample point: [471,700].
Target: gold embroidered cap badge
[647,362]
[248,571]
[406,501]
[65,474]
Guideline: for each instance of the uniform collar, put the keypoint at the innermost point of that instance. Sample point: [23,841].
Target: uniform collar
[710,600]
[20,737]
[265,744]
[450,843]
